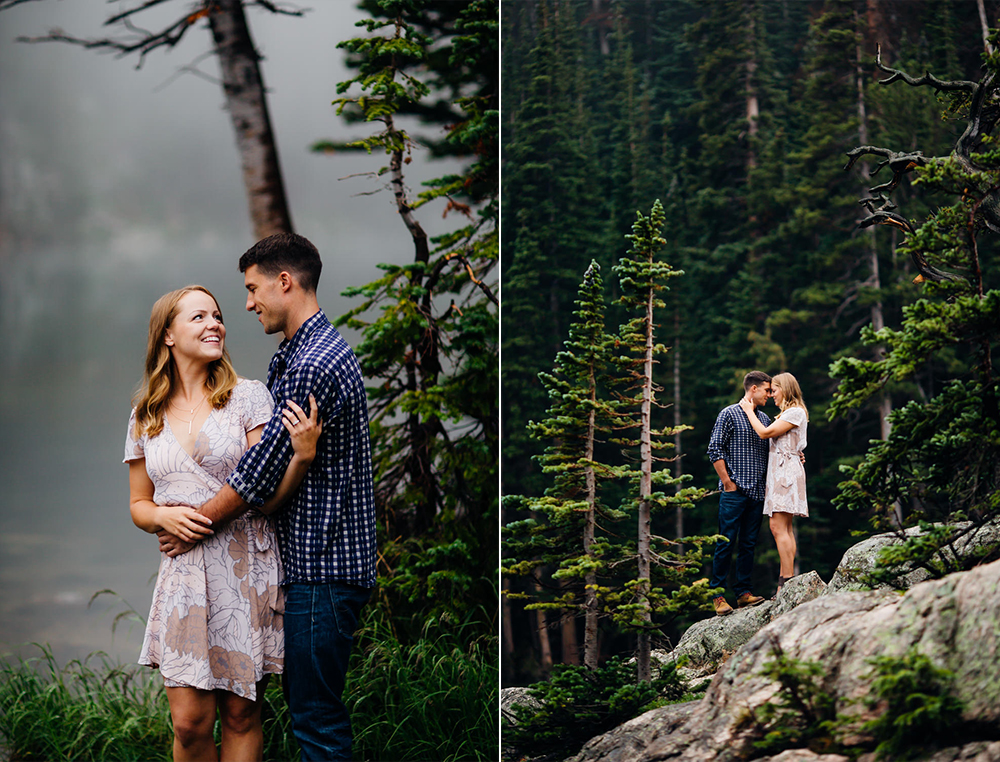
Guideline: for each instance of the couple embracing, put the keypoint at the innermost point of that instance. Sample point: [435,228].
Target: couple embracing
[265,513]
[761,471]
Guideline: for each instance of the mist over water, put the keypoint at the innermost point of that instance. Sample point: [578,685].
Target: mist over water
[116,186]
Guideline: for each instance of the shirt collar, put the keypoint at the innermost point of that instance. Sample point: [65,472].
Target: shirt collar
[289,347]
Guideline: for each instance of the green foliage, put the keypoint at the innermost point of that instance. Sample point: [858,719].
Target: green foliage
[432,580]
[939,549]
[910,694]
[802,713]
[578,703]
[917,710]
[563,531]
[942,457]
[91,709]
[571,530]
[430,698]
[610,105]
[430,327]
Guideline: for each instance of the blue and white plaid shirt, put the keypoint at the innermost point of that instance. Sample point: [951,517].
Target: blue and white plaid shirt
[735,441]
[327,530]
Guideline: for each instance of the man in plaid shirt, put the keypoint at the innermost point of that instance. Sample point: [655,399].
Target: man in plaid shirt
[739,457]
[326,533]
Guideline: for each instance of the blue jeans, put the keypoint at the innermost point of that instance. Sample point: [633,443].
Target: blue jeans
[320,620]
[739,517]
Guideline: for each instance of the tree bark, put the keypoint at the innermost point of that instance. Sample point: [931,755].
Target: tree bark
[678,468]
[590,652]
[544,643]
[877,313]
[645,490]
[752,105]
[570,643]
[507,673]
[246,102]
[985,27]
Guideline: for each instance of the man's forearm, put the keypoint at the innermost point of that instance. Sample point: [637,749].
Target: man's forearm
[224,507]
[721,470]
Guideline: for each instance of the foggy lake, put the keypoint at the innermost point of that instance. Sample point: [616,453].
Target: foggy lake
[117,185]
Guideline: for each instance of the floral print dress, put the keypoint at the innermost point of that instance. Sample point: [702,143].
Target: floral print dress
[786,476]
[216,616]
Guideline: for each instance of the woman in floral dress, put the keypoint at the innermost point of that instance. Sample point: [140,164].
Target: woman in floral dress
[215,624]
[785,491]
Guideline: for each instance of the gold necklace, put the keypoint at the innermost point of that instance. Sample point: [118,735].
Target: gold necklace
[191,413]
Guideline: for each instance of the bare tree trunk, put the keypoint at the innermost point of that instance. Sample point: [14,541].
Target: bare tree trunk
[508,637]
[877,314]
[590,650]
[247,104]
[678,468]
[985,26]
[544,644]
[645,491]
[602,32]
[570,644]
[752,105]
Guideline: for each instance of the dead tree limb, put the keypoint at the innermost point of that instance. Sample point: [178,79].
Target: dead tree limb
[242,85]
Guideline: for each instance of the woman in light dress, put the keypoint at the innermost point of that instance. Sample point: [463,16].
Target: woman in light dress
[215,623]
[785,491]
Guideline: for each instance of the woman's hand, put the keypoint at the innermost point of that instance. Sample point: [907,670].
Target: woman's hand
[171,545]
[184,522]
[747,406]
[303,429]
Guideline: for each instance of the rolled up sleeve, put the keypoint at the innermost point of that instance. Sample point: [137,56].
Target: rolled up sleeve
[262,467]
[722,432]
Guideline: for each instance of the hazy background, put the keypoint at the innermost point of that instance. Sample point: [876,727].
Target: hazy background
[117,185]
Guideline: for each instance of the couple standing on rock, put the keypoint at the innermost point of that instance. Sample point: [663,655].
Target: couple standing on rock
[757,478]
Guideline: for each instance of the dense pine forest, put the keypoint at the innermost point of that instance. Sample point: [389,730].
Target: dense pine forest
[737,115]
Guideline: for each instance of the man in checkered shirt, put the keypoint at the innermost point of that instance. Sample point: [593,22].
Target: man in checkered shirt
[326,533]
[739,457]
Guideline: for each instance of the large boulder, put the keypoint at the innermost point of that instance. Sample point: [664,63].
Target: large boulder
[709,643]
[954,621]
[859,560]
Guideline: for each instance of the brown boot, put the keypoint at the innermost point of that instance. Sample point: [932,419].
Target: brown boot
[748,599]
[721,607]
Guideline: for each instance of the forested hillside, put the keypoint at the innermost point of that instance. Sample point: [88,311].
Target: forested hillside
[737,115]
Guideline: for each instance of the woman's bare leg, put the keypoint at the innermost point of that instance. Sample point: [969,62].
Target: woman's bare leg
[192,712]
[784,538]
[242,734]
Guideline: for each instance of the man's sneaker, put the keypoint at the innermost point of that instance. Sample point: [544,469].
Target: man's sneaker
[747,599]
[721,607]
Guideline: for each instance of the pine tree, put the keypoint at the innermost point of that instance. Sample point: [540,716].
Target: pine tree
[553,214]
[432,347]
[565,533]
[643,277]
[942,455]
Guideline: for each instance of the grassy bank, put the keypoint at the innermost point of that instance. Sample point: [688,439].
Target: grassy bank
[432,699]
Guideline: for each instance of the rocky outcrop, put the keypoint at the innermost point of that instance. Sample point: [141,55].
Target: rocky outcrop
[954,621]
[709,643]
[859,560]
[630,739]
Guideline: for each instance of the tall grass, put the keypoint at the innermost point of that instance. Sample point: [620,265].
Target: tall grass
[88,710]
[434,699]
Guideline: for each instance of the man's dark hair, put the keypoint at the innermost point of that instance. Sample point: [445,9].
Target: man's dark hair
[285,251]
[755,378]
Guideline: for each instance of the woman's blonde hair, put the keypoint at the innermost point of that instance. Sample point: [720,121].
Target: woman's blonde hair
[153,395]
[791,391]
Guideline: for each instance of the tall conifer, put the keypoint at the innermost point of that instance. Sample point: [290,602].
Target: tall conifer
[565,531]
[643,276]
